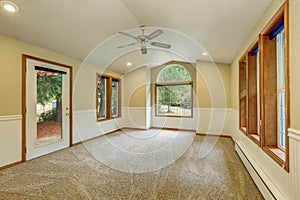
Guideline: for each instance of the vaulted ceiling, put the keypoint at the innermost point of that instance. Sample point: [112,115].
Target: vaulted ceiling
[75,27]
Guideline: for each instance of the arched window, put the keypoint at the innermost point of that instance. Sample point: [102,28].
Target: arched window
[174,92]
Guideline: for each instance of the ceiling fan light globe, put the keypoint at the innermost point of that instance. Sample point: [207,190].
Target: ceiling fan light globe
[144,50]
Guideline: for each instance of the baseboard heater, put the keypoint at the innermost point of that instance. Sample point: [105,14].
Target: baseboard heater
[256,177]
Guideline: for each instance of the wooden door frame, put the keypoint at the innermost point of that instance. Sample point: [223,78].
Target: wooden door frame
[24,58]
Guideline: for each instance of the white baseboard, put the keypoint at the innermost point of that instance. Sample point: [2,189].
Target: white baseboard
[256,177]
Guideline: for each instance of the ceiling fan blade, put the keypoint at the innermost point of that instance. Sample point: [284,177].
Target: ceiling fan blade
[126,45]
[162,45]
[129,35]
[154,34]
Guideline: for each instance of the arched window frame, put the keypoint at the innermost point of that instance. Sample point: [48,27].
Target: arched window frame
[170,84]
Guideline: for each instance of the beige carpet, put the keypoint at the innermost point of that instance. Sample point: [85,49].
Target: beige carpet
[75,173]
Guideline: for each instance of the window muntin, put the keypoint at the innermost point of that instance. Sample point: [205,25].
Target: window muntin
[108,97]
[174,92]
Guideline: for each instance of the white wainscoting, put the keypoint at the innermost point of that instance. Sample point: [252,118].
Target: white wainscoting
[85,125]
[10,139]
[216,121]
[292,181]
[282,184]
[174,122]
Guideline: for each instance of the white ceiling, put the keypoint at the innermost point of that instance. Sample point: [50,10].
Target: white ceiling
[75,27]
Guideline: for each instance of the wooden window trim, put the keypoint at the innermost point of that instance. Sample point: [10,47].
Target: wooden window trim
[243,95]
[119,98]
[255,138]
[276,153]
[268,139]
[252,106]
[109,115]
[174,84]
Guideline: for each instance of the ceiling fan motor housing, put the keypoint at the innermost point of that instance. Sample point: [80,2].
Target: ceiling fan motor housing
[143,39]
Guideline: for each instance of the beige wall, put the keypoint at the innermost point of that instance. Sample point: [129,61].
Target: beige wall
[11,71]
[295,63]
[213,85]
[11,75]
[134,88]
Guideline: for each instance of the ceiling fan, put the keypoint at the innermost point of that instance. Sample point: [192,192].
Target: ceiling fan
[144,39]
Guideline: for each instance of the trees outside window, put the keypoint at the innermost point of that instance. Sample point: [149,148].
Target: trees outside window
[49,88]
[108,97]
[174,92]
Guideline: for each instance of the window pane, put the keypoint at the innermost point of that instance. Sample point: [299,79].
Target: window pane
[258,91]
[281,89]
[115,97]
[101,93]
[48,107]
[173,74]
[174,100]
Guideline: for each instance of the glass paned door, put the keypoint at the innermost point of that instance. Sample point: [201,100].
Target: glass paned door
[47,108]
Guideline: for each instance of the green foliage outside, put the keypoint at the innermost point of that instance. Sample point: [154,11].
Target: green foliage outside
[101,97]
[47,115]
[174,95]
[174,74]
[115,97]
[49,88]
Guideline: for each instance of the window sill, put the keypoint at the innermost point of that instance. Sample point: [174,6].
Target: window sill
[106,119]
[174,116]
[277,154]
[255,138]
[243,129]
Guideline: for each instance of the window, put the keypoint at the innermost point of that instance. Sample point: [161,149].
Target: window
[115,97]
[253,94]
[174,92]
[249,93]
[275,79]
[101,97]
[243,95]
[108,97]
[281,106]
[264,91]
[275,96]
